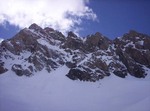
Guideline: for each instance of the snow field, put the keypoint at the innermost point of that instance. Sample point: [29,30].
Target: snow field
[55,92]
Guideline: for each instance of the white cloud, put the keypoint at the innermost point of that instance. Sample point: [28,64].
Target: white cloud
[58,14]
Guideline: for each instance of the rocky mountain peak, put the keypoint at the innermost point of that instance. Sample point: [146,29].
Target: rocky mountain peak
[133,50]
[71,34]
[35,27]
[133,32]
[98,34]
[134,36]
[96,42]
[34,49]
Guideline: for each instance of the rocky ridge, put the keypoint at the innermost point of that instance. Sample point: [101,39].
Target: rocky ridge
[95,57]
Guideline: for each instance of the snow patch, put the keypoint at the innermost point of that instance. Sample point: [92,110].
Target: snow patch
[141,42]
[44,42]
[1,40]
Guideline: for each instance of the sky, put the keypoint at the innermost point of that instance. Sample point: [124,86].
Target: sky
[112,18]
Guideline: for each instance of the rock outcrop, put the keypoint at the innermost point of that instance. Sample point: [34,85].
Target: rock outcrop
[2,68]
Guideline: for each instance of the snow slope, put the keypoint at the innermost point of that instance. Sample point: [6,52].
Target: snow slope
[55,92]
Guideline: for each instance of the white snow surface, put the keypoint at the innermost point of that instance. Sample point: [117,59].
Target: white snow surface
[141,42]
[55,92]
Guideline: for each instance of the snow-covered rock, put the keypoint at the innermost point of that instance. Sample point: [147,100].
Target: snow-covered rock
[1,40]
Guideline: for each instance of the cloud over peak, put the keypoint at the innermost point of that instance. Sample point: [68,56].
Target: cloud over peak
[62,15]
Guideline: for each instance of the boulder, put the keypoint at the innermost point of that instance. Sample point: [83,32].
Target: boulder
[17,68]
[2,68]
[76,74]
[71,65]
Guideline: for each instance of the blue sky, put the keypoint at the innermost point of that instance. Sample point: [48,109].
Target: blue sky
[113,18]
[117,17]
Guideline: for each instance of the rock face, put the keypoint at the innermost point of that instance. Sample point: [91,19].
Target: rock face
[96,42]
[95,57]
[133,52]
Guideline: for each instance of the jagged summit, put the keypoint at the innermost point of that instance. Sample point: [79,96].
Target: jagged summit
[71,34]
[35,49]
[35,27]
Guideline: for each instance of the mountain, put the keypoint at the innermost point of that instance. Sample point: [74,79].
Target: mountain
[35,49]
[38,66]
